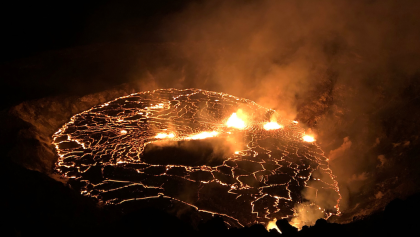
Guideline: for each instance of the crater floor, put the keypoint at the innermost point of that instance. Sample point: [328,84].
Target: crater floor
[172,149]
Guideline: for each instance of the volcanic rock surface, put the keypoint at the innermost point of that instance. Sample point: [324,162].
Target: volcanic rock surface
[153,149]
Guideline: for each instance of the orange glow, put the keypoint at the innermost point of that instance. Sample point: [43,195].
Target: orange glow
[295,122]
[272,225]
[235,121]
[295,222]
[202,135]
[308,138]
[272,126]
[158,106]
[123,132]
[164,135]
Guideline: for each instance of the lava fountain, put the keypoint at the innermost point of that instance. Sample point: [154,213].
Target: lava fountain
[197,152]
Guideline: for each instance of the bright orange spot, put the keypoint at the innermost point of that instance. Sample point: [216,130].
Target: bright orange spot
[164,135]
[123,132]
[272,225]
[202,135]
[158,106]
[236,122]
[295,122]
[308,138]
[272,125]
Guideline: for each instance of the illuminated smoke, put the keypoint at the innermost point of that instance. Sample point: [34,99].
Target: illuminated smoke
[306,214]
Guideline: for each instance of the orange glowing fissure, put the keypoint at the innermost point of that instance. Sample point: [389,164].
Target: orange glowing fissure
[272,225]
[235,122]
[266,175]
[272,126]
[308,138]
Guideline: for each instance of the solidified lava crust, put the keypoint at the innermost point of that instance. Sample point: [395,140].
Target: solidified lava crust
[113,152]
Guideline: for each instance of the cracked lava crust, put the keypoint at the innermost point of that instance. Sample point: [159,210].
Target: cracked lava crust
[179,151]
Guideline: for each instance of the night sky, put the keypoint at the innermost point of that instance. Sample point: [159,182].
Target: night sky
[29,28]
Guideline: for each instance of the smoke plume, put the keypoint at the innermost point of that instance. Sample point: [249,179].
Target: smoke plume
[338,66]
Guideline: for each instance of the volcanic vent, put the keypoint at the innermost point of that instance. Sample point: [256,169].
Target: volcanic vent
[198,152]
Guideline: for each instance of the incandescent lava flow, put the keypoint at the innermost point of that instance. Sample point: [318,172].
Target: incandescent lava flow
[195,151]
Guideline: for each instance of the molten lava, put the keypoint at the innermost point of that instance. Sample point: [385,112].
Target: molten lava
[202,135]
[272,126]
[308,138]
[164,135]
[168,148]
[272,225]
[235,121]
